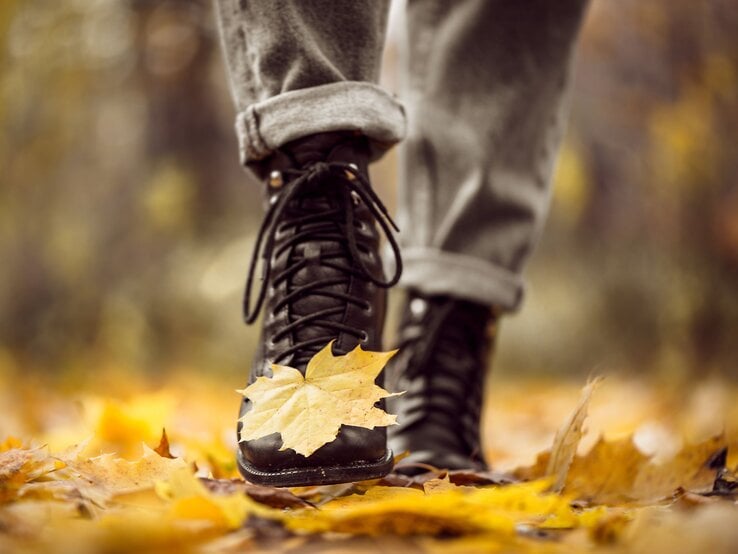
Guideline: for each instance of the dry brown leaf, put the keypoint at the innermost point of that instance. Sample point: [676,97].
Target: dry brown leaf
[269,496]
[438,485]
[163,447]
[568,437]
[308,411]
[460,477]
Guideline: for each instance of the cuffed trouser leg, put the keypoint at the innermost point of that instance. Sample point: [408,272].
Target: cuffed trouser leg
[300,67]
[485,95]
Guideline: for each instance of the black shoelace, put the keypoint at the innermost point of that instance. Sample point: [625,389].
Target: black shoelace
[324,226]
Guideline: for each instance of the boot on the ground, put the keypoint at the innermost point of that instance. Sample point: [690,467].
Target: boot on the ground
[445,344]
[322,281]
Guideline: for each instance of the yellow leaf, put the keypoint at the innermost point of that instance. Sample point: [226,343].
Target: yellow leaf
[121,426]
[192,501]
[605,474]
[10,443]
[449,509]
[308,411]
[614,472]
[113,476]
[21,468]
[690,469]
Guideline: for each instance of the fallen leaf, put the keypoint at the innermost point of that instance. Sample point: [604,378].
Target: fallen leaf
[615,472]
[616,498]
[605,474]
[163,447]
[103,477]
[693,469]
[308,411]
[269,496]
[437,485]
[190,499]
[479,478]
[689,500]
[442,510]
[21,466]
[121,426]
[568,437]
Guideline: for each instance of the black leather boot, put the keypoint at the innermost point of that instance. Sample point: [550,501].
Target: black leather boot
[322,280]
[444,347]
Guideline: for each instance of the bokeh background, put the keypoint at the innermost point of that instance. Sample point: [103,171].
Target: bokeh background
[126,221]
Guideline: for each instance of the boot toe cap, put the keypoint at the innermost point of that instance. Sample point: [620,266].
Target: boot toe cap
[353,445]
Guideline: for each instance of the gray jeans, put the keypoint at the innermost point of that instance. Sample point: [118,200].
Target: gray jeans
[485,87]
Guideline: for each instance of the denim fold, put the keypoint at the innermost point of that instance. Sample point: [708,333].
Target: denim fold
[435,272]
[343,106]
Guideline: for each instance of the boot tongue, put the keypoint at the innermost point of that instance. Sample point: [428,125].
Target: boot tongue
[313,149]
[314,253]
[328,147]
[323,195]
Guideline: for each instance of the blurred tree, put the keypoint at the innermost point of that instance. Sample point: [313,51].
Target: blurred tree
[125,217]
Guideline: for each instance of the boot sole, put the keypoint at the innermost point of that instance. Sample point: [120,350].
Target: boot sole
[309,476]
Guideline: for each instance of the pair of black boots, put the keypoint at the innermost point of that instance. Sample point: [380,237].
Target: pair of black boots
[322,280]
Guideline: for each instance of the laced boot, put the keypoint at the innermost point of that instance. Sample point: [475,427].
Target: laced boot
[444,347]
[322,281]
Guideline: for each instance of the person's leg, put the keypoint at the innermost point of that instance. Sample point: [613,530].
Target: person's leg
[486,94]
[300,67]
[310,120]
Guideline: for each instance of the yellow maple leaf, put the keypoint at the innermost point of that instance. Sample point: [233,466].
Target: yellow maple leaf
[107,475]
[308,411]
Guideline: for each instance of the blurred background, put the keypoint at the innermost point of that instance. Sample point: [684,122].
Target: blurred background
[126,221]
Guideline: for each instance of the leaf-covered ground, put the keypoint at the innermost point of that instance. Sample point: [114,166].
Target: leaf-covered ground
[637,466]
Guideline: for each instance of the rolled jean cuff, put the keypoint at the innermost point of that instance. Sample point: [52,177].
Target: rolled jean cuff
[343,106]
[435,272]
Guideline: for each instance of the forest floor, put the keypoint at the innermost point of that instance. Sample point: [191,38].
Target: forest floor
[641,466]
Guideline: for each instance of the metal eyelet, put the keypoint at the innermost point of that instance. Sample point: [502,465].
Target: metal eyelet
[418,307]
[368,309]
[275,179]
[364,336]
[349,175]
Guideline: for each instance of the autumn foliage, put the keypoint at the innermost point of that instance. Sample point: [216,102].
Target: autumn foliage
[125,220]
[103,476]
